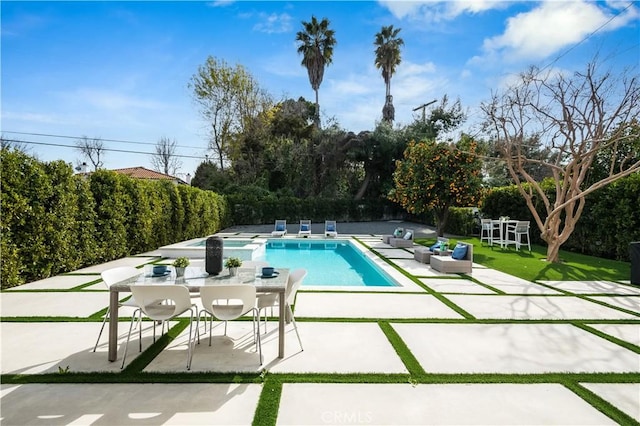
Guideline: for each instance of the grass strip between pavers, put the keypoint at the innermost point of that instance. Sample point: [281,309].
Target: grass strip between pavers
[612,339]
[144,359]
[371,378]
[600,404]
[401,348]
[266,413]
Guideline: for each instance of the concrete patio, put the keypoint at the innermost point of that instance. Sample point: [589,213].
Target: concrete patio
[547,329]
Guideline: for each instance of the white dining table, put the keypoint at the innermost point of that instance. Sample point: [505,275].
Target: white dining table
[194,279]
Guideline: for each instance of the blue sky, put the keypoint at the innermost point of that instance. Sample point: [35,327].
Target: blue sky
[120,70]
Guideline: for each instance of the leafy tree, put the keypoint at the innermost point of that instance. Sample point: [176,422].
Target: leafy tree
[578,117]
[229,99]
[437,176]
[496,171]
[618,156]
[92,149]
[441,120]
[315,44]
[388,57]
[208,176]
[378,152]
[165,159]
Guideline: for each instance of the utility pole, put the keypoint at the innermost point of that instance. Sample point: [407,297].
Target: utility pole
[423,107]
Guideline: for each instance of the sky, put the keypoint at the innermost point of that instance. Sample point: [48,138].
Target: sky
[120,71]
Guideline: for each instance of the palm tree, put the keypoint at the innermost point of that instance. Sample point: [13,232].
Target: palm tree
[387,58]
[316,46]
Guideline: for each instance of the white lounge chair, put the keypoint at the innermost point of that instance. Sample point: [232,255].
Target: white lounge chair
[305,228]
[330,228]
[280,229]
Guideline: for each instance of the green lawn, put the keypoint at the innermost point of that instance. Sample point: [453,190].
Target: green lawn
[531,266]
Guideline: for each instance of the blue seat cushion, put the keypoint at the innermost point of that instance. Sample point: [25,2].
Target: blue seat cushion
[331,228]
[280,227]
[304,227]
[436,246]
[459,252]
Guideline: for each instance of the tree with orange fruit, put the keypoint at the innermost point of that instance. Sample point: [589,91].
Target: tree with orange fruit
[437,176]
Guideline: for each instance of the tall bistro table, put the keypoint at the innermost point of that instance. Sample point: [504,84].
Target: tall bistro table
[501,225]
[195,278]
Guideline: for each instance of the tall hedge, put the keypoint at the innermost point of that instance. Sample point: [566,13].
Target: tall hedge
[609,223]
[250,208]
[53,221]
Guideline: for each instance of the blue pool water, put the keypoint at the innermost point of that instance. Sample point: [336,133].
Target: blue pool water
[327,263]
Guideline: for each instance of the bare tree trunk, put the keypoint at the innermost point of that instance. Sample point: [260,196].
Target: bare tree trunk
[577,118]
[364,186]
[316,117]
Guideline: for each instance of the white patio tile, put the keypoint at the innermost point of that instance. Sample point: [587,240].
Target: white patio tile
[35,348]
[457,404]
[126,261]
[627,332]
[418,269]
[50,304]
[368,305]
[333,348]
[534,307]
[455,285]
[624,396]
[394,253]
[59,282]
[630,303]
[510,284]
[593,287]
[329,348]
[130,404]
[514,348]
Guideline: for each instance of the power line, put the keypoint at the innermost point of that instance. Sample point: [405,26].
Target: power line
[587,37]
[81,137]
[103,149]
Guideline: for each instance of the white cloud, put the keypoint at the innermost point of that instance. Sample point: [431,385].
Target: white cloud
[548,28]
[273,23]
[436,10]
[220,3]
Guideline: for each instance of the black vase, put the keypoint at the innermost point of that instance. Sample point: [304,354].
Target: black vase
[213,257]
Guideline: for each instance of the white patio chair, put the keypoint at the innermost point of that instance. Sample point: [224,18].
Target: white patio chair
[518,230]
[114,276]
[178,301]
[305,228]
[486,231]
[229,302]
[280,229]
[270,300]
[330,228]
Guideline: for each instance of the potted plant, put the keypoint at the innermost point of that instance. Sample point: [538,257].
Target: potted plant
[180,264]
[233,263]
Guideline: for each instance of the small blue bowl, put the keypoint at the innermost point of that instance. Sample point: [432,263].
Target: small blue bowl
[267,271]
[159,269]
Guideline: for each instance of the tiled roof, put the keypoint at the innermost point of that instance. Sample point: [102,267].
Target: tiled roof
[144,173]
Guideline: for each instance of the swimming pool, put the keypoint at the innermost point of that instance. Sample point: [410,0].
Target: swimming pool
[335,263]
[243,248]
